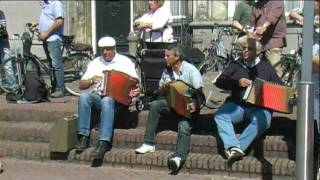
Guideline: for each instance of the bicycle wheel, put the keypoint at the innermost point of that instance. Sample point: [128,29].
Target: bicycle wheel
[75,66]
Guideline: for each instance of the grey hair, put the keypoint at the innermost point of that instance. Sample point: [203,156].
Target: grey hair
[177,51]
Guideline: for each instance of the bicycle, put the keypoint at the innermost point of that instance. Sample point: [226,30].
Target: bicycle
[75,62]
[217,56]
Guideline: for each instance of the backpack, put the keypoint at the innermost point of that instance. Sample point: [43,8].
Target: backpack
[36,88]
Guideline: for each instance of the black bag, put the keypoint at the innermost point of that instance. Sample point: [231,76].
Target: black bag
[36,88]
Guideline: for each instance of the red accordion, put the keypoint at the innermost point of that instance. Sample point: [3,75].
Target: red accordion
[270,95]
[178,97]
[118,85]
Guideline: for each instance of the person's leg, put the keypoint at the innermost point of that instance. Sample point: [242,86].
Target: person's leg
[106,128]
[259,120]
[157,108]
[54,48]
[183,140]
[85,104]
[10,78]
[228,114]
[107,118]
[274,56]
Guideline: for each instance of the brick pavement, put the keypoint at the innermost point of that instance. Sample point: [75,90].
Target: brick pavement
[55,170]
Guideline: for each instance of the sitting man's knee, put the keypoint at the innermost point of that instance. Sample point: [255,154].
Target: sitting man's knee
[184,127]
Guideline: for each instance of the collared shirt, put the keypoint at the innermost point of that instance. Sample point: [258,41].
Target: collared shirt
[161,20]
[50,11]
[188,74]
[119,63]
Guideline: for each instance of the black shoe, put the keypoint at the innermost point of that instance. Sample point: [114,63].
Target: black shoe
[58,93]
[174,164]
[101,149]
[83,143]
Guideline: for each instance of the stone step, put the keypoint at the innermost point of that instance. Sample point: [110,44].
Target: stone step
[271,146]
[196,163]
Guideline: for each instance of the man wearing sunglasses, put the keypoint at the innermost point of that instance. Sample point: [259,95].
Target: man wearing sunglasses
[236,78]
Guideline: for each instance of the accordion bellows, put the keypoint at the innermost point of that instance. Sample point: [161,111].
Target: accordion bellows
[178,97]
[269,95]
[118,85]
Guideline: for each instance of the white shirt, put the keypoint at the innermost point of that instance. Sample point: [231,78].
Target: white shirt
[161,19]
[98,65]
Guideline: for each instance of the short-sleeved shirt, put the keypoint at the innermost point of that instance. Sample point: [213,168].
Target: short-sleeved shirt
[119,62]
[161,20]
[188,74]
[242,13]
[50,11]
[4,42]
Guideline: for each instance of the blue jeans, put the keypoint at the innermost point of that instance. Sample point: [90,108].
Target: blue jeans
[4,55]
[105,105]
[53,52]
[257,119]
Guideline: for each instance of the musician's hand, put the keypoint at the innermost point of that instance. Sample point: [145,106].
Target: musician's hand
[244,82]
[43,35]
[191,107]
[96,79]
[134,92]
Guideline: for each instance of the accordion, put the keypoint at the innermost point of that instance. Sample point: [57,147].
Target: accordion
[269,95]
[178,95]
[118,85]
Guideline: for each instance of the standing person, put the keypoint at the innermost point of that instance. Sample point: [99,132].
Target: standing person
[5,50]
[268,19]
[182,70]
[241,16]
[94,101]
[237,77]
[158,20]
[51,31]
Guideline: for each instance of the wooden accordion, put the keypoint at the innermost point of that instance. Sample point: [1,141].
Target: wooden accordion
[178,96]
[269,95]
[118,85]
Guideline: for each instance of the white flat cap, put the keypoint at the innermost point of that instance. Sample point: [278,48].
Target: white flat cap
[106,42]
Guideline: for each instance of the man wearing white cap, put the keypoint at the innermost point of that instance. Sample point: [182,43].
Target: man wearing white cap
[94,101]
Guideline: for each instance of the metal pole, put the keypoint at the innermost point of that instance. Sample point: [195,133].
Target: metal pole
[94,26]
[305,131]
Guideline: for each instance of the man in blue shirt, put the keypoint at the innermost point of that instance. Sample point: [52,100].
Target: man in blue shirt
[177,70]
[51,30]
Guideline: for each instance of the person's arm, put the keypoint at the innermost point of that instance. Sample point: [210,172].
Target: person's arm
[295,16]
[236,24]
[315,64]
[275,11]
[224,81]
[58,23]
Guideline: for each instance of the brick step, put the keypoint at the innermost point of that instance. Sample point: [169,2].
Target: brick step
[131,119]
[271,146]
[196,163]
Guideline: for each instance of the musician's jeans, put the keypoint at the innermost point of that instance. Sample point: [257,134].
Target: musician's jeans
[257,121]
[53,52]
[106,105]
[160,107]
